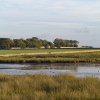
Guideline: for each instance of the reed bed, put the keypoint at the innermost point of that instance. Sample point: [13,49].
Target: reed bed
[93,57]
[46,87]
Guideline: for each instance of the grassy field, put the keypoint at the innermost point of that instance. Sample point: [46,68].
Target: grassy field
[85,57]
[5,52]
[44,87]
[50,56]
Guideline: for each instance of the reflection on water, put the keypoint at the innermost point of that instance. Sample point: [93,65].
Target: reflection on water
[62,68]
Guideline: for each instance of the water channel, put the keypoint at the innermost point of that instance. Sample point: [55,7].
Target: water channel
[79,69]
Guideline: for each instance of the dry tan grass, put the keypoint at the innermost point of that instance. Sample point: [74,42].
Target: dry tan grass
[45,87]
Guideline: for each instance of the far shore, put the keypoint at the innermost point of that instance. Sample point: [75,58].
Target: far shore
[50,56]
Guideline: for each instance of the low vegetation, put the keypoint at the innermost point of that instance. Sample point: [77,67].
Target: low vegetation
[5,52]
[81,57]
[45,87]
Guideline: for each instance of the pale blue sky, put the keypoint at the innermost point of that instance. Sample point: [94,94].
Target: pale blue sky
[68,19]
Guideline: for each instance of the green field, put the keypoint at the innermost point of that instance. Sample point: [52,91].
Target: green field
[34,51]
[51,56]
[86,57]
[4,52]
[45,87]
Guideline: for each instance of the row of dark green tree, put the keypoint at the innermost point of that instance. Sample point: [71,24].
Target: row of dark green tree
[34,42]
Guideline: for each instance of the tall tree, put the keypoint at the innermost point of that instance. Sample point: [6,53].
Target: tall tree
[19,43]
[5,43]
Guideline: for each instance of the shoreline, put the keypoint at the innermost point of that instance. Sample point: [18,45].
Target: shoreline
[48,60]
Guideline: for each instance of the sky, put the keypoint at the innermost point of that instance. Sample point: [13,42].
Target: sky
[50,19]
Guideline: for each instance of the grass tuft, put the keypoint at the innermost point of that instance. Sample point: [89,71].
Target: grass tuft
[46,87]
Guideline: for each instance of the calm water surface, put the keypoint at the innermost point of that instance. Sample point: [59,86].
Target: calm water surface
[80,70]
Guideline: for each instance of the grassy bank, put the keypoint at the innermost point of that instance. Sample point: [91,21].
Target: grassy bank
[6,52]
[44,87]
[85,57]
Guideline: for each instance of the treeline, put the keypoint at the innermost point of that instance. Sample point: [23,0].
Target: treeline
[34,42]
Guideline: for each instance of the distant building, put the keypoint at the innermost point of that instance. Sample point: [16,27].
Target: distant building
[87,47]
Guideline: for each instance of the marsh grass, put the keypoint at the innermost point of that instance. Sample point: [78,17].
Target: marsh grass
[54,58]
[46,87]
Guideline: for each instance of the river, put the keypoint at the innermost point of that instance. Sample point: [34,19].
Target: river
[79,69]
